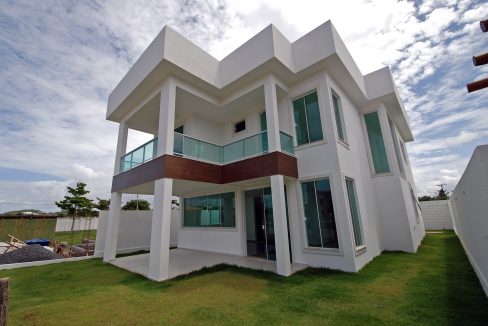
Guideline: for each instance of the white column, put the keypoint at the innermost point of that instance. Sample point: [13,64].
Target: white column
[121,145]
[160,230]
[167,118]
[283,265]
[110,249]
[272,121]
[241,220]
[163,189]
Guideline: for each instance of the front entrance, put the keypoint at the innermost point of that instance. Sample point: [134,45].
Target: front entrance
[259,224]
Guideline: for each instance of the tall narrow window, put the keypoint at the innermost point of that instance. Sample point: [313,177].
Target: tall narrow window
[264,127]
[308,126]
[339,118]
[377,146]
[319,214]
[415,204]
[263,121]
[404,151]
[354,209]
[395,145]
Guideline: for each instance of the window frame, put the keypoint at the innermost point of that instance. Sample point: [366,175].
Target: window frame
[374,174]
[396,146]
[319,250]
[361,246]
[242,121]
[295,137]
[339,120]
[210,226]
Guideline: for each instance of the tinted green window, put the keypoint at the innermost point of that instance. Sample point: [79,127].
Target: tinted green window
[377,146]
[306,112]
[354,209]
[213,210]
[338,117]
[395,144]
[262,120]
[319,214]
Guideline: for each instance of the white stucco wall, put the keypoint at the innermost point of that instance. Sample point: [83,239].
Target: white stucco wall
[134,231]
[437,215]
[81,223]
[469,202]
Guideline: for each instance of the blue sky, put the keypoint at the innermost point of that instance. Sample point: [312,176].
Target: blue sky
[60,60]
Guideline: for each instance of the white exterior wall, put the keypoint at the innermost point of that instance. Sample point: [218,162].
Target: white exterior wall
[134,231]
[469,203]
[353,156]
[308,156]
[215,239]
[436,215]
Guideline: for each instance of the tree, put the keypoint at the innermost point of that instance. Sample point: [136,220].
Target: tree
[77,204]
[103,204]
[442,194]
[137,204]
[426,198]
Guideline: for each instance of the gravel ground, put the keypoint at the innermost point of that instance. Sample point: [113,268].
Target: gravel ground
[26,254]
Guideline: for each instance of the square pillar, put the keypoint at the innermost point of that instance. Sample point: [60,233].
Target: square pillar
[121,145]
[166,118]
[272,121]
[160,230]
[283,264]
[110,249]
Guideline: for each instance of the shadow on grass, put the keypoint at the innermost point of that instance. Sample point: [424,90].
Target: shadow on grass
[466,300]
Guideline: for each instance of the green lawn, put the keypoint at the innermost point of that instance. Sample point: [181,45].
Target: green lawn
[437,286]
[77,236]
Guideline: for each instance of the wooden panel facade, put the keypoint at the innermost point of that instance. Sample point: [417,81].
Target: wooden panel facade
[169,166]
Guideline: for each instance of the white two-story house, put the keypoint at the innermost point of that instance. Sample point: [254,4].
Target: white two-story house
[281,151]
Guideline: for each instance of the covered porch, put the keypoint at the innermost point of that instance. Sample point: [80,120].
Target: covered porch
[185,261]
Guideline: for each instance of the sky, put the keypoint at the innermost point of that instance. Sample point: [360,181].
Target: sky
[59,61]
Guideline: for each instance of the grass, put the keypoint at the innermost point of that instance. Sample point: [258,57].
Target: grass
[27,228]
[436,286]
[78,236]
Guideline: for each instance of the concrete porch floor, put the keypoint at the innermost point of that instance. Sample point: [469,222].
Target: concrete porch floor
[184,261]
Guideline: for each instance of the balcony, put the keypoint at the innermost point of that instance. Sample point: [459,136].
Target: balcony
[190,147]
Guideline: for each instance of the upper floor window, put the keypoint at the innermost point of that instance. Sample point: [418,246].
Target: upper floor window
[376,143]
[240,126]
[306,112]
[404,151]
[341,131]
[395,145]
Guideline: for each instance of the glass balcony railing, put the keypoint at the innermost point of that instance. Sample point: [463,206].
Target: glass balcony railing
[191,147]
[287,143]
[139,155]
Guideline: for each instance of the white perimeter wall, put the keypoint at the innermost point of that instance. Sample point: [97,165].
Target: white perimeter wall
[81,223]
[134,231]
[469,203]
[436,215]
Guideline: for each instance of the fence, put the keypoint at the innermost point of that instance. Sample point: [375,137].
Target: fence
[81,223]
[437,215]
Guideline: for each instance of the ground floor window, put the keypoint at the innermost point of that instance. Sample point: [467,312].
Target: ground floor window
[354,209]
[319,214]
[210,211]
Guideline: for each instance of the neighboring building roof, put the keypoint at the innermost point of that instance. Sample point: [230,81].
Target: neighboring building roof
[267,52]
